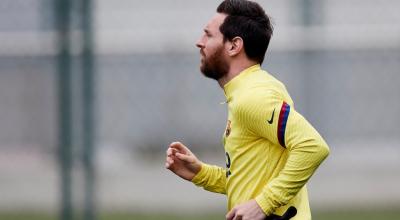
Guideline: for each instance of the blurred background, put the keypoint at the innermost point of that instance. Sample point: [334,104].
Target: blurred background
[93,91]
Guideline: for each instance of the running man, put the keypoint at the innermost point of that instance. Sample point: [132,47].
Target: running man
[271,150]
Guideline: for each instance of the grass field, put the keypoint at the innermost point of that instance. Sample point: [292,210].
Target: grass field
[328,215]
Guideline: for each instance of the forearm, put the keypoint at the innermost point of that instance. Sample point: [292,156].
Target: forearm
[211,178]
[302,162]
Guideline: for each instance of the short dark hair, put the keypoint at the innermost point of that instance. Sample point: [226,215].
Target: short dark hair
[248,20]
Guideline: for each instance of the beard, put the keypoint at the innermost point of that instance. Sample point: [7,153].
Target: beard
[215,66]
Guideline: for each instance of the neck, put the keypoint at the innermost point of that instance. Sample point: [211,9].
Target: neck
[235,69]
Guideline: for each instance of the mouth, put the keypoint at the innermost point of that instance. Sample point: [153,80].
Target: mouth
[202,53]
[203,59]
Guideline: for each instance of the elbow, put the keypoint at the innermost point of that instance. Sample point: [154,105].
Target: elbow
[324,151]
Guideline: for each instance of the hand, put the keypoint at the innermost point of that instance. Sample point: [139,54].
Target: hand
[246,211]
[182,161]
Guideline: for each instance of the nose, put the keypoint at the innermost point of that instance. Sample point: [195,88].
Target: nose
[200,43]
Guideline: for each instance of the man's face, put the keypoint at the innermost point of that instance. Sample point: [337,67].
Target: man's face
[213,58]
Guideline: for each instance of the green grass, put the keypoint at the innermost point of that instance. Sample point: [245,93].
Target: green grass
[328,215]
[26,216]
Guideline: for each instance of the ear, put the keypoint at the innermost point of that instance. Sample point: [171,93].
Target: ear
[235,46]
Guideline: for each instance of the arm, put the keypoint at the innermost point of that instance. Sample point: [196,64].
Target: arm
[306,148]
[211,178]
[181,161]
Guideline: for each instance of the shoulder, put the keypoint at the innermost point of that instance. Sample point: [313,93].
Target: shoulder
[262,87]
[262,92]
[266,80]
[257,100]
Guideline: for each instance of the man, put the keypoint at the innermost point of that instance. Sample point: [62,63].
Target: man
[271,150]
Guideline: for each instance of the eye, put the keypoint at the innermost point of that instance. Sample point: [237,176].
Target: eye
[207,33]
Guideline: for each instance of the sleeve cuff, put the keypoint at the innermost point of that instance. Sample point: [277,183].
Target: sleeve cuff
[265,205]
[201,175]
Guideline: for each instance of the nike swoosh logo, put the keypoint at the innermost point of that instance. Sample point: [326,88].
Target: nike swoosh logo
[272,118]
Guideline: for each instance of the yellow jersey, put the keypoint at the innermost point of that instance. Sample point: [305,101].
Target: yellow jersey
[271,150]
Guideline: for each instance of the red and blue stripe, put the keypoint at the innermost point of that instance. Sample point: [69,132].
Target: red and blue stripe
[283,117]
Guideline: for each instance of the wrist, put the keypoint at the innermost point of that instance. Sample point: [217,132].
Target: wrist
[201,173]
[263,203]
[197,167]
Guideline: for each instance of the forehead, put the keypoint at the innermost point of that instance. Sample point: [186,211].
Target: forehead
[215,22]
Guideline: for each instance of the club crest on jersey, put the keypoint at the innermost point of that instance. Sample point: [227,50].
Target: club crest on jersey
[228,128]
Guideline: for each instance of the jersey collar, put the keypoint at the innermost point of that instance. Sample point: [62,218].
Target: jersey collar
[234,83]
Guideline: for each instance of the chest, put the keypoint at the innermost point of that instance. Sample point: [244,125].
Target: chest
[236,135]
